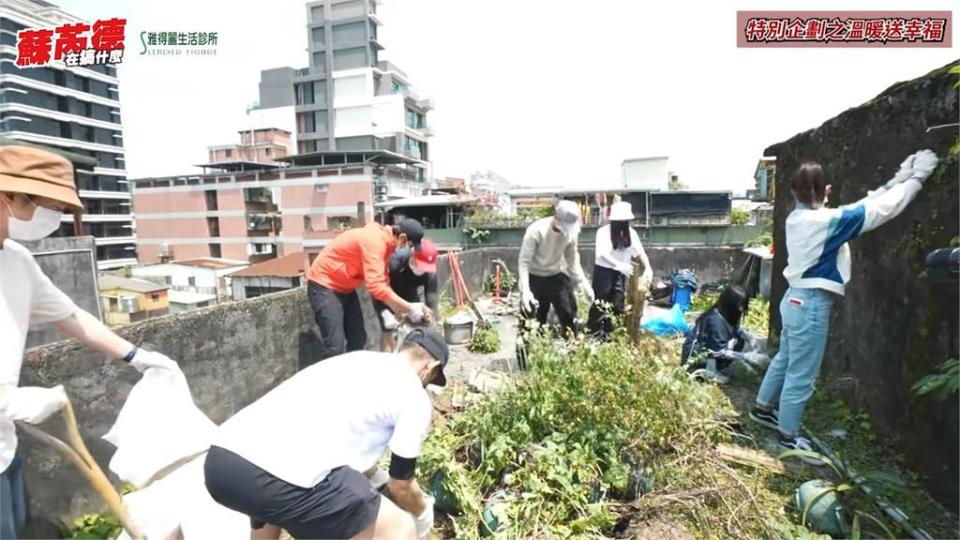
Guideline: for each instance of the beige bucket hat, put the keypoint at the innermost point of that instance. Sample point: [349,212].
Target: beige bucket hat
[33,171]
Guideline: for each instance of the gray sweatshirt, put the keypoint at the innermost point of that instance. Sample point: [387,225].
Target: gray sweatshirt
[546,252]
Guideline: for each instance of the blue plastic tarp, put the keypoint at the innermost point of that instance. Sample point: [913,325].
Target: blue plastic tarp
[669,323]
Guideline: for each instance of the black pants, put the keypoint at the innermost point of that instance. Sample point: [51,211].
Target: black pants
[340,506]
[339,318]
[556,291]
[608,286]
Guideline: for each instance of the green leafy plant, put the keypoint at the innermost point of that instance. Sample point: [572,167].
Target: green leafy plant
[484,341]
[477,236]
[739,216]
[508,281]
[940,385]
[103,526]
[590,435]
[703,301]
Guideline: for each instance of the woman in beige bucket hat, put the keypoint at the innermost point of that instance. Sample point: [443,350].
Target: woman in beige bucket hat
[36,188]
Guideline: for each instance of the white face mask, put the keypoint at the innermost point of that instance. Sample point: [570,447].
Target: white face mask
[41,225]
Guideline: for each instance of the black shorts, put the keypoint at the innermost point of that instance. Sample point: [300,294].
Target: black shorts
[341,506]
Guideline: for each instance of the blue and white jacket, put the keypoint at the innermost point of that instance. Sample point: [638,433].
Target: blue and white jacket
[817,253]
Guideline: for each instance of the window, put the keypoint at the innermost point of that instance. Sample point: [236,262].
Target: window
[304,93]
[228,152]
[215,250]
[155,296]
[321,188]
[267,151]
[192,281]
[167,280]
[307,223]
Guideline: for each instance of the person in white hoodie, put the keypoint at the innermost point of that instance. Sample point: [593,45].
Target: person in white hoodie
[549,267]
[36,188]
[818,270]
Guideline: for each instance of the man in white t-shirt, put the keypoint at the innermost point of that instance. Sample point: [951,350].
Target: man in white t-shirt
[36,188]
[292,459]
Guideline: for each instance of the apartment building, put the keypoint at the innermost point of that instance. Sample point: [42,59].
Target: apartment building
[347,99]
[75,110]
[256,211]
[260,145]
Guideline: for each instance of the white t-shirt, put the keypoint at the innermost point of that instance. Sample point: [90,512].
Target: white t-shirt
[604,246]
[27,298]
[346,410]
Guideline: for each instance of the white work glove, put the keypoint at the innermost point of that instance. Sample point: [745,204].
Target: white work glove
[145,360]
[32,404]
[528,302]
[646,280]
[425,520]
[379,479]
[416,312]
[924,162]
[389,321]
[756,359]
[625,269]
[903,174]
[587,291]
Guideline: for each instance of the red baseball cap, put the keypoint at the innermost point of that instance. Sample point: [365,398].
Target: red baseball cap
[426,256]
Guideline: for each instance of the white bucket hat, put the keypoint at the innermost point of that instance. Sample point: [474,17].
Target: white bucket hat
[621,211]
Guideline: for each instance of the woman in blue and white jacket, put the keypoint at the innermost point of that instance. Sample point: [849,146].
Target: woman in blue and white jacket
[818,269]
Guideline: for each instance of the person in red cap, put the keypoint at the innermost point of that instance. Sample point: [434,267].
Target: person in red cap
[410,270]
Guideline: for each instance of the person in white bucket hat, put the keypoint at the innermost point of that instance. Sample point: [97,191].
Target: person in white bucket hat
[550,269]
[617,245]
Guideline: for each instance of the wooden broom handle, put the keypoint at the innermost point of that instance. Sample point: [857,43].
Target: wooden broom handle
[76,451]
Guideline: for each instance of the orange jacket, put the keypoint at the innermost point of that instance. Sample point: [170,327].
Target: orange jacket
[357,256]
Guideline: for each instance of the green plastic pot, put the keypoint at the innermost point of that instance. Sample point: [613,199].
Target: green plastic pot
[443,499]
[496,502]
[824,515]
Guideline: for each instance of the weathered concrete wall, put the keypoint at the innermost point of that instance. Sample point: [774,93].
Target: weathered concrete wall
[231,353]
[71,263]
[891,328]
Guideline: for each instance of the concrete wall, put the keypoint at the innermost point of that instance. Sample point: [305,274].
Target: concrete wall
[231,353]
[892,327]
[70,263]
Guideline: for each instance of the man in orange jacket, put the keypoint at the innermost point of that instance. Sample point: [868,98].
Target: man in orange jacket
[358,256]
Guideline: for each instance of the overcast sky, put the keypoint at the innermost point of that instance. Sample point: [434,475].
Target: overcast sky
[541,93]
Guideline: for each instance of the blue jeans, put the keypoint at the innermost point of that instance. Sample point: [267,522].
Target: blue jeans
[13,500]
[805,314]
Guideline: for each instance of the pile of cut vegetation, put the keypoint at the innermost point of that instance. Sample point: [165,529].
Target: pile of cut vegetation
[592,437]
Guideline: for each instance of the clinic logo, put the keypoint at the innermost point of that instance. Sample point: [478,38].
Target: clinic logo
[75,44]
[179,43]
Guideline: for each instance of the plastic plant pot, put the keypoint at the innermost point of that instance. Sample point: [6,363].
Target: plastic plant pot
[443,499]
[495,505]
[824,515]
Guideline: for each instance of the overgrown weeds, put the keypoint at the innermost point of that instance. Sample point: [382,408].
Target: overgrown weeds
[590,436]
